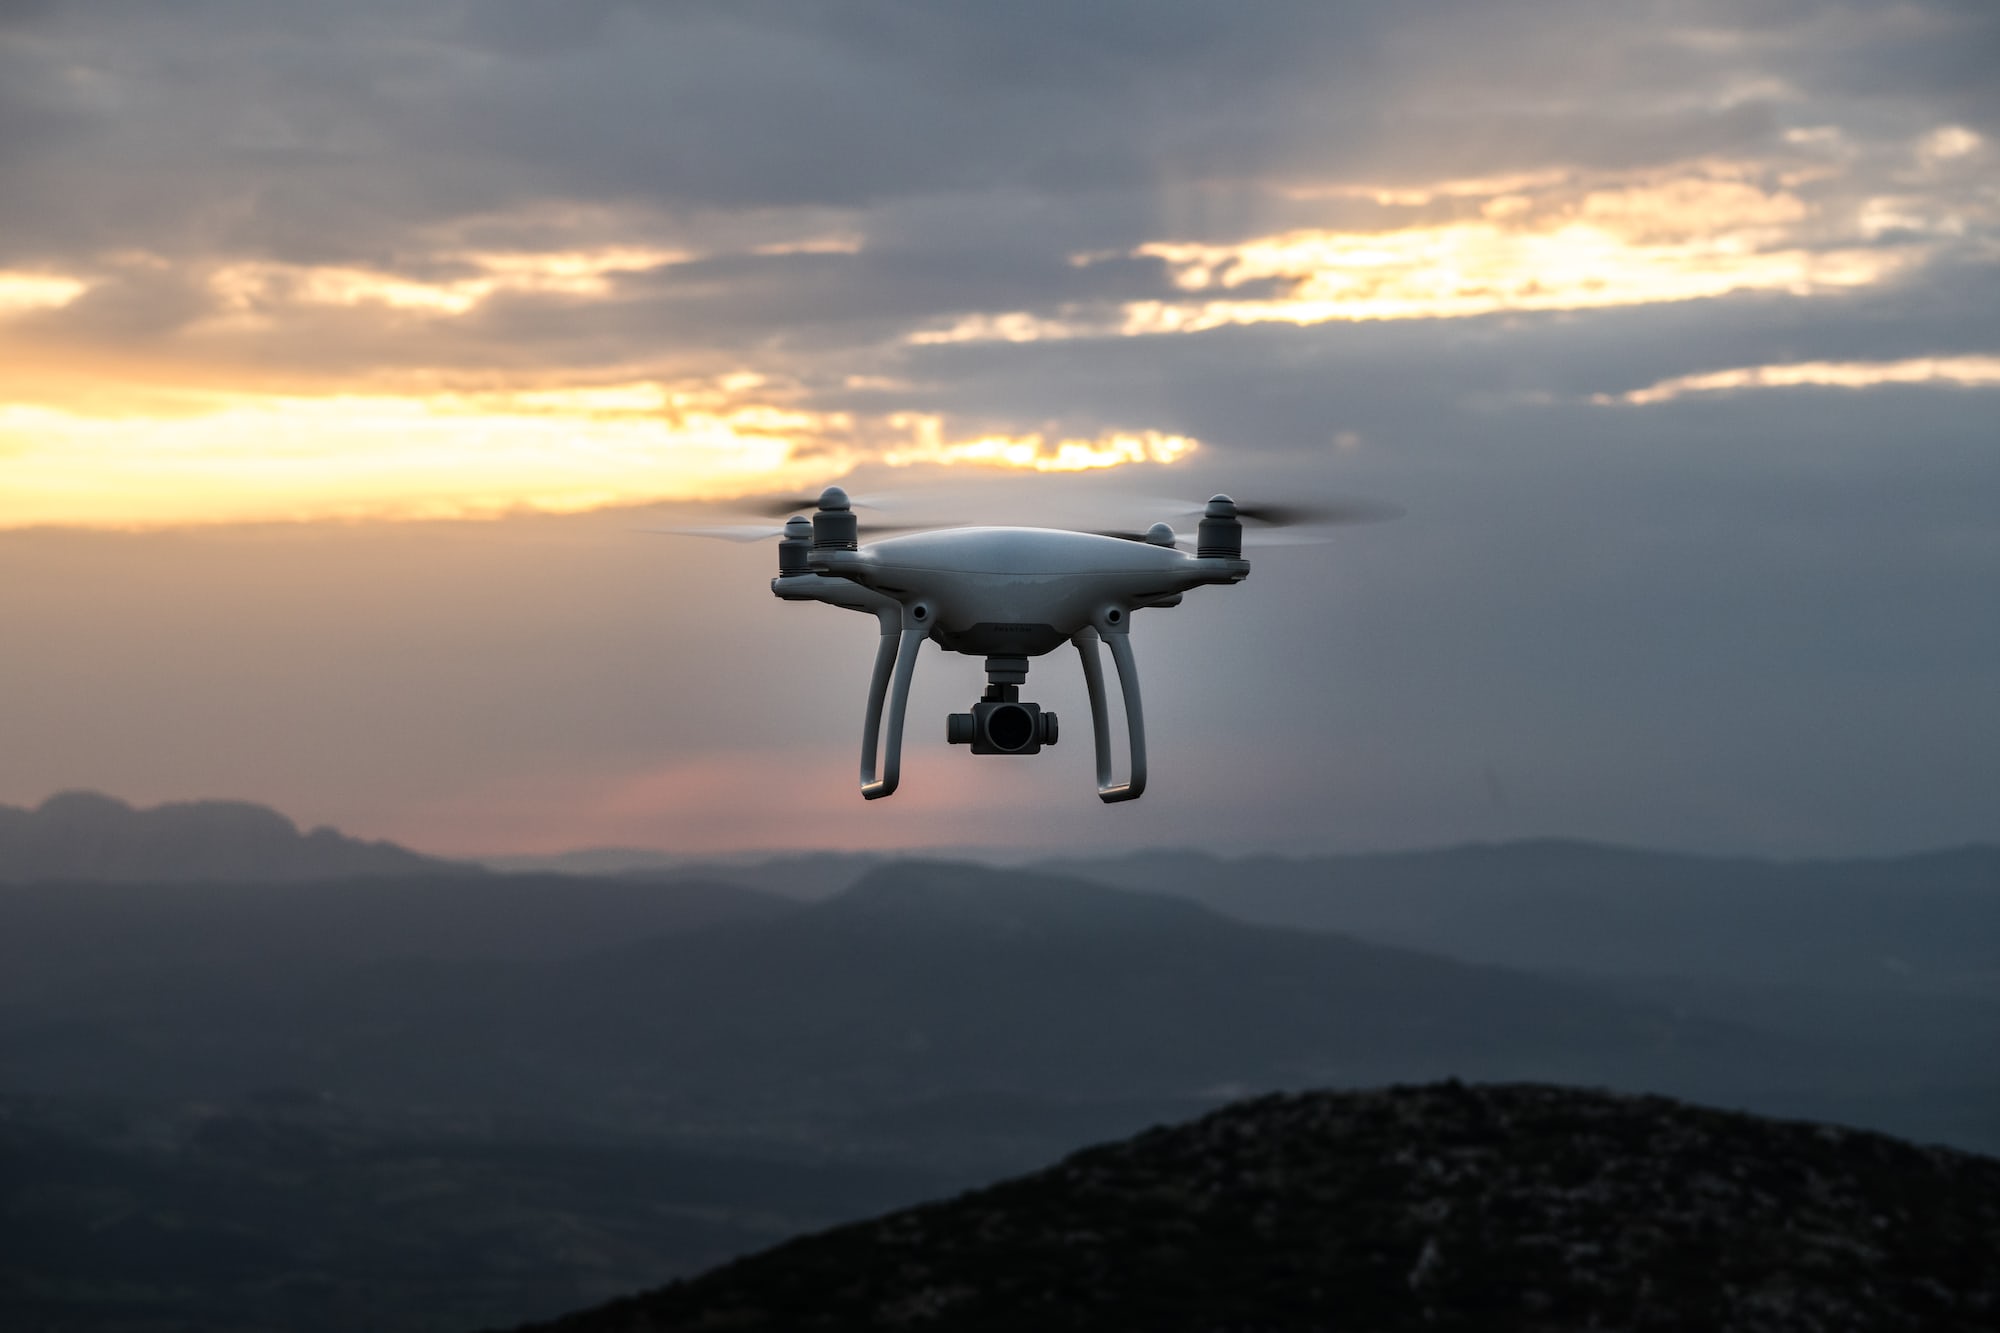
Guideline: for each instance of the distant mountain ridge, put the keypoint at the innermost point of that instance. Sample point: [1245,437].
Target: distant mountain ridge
[82,835]
[1572,906]
[924,981]
[590,1041]
[1446,1206]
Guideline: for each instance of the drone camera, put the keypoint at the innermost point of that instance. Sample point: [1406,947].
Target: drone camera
[1002,726]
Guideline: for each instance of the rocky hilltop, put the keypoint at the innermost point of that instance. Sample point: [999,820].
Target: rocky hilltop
[83,835]
[1437,1207]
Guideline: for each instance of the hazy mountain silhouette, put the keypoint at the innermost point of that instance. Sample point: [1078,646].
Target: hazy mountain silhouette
[1893,960]
[805,876]
[443,1099]
[88,836]
[1517,1207]
[67,940]
[1576,906]
[924,981]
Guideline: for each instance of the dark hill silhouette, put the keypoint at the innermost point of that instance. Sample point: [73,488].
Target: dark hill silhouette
[1507,1207]
[88,836]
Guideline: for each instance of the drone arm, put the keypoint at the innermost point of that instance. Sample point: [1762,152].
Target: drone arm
[901,653]
[1100,719]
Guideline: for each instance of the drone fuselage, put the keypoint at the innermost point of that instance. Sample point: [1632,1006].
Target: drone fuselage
[1019,592]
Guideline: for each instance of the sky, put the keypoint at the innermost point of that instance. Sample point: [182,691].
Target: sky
[346,352]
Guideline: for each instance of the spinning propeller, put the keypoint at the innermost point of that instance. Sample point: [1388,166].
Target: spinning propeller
[1264,523]
[784,506]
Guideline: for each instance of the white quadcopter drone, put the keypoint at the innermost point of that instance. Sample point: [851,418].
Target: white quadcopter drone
[1008,594]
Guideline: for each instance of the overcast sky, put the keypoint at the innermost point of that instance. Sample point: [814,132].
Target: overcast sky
[343,348]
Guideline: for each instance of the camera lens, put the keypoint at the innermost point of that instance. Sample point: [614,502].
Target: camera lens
[1010,727]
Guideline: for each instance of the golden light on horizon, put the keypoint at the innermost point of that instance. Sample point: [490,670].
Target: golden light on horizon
[20,292]
[472,454]
[339,456]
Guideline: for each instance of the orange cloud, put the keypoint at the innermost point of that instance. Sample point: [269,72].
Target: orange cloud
[1032,452]
[1539,242]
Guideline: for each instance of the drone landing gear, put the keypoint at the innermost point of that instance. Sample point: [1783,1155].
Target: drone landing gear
[987,728]
[897,652]
[1086,640]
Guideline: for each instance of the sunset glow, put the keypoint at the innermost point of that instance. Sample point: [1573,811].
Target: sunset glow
[219,458]
[349,456]
[36,291]
[255,286]
[1477,269]
[1032,452]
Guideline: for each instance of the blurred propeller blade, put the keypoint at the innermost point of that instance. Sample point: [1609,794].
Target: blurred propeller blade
[752,532]
[777,506]
[1299,513]
[784,506]
[1268,537]
[729,532]
[1327,512]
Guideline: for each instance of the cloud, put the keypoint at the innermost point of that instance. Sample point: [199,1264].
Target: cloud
[1961,371]
[312,135]
[879,210]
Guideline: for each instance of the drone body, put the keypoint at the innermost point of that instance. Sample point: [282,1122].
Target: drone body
[1005,594]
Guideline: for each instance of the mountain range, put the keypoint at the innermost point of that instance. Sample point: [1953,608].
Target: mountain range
[82,835]
[1556,904]
[560,1087]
